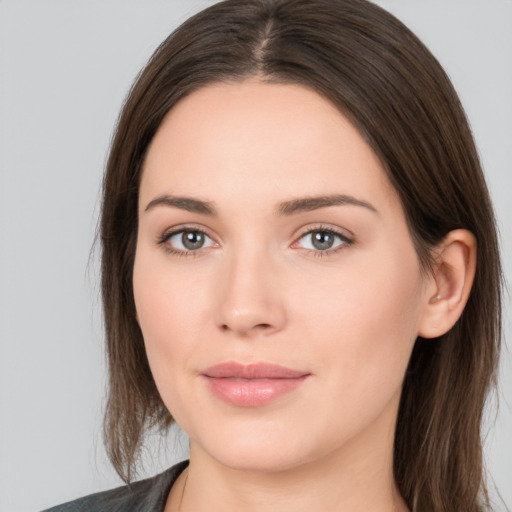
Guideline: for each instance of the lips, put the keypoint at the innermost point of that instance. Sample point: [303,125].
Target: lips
[252,385]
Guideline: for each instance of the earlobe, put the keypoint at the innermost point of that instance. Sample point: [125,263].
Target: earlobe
[450,286]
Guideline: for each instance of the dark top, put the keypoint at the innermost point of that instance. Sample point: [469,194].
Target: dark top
[148,495]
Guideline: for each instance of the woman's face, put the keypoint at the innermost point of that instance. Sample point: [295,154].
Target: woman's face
[270,235]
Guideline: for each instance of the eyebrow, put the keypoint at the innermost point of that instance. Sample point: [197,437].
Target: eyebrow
[308,204]
[184,203]
[286,208]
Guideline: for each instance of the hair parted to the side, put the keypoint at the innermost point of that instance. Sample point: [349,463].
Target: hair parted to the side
[379,75]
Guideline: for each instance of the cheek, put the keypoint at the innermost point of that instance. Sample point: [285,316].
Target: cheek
[169,307]
[365,321]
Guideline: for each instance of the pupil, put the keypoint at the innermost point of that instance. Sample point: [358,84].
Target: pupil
[192,240]
[323,240]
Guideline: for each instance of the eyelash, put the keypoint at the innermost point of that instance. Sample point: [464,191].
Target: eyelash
[178,252]
[346,241]
[194,253]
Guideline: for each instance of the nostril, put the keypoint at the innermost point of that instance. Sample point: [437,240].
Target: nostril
[226,327]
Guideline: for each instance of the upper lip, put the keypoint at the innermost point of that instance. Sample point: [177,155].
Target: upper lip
[233,369]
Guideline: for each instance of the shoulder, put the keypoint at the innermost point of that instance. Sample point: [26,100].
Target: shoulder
[147,495]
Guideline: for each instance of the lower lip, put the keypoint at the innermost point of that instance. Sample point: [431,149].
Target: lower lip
[252,392]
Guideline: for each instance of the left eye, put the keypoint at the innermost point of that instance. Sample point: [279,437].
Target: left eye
[322,240]
[189,240]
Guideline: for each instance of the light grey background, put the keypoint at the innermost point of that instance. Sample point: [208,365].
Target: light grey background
[65,67]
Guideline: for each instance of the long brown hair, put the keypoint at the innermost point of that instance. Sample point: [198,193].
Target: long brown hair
[379,75]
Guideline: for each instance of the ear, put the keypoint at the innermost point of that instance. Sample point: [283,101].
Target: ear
[450,284]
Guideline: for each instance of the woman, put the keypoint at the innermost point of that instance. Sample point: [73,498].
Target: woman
[300,267]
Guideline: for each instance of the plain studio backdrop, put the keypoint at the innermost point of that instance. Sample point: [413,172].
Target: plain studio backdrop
[65,67]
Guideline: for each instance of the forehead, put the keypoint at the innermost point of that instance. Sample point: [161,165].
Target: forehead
[260,143]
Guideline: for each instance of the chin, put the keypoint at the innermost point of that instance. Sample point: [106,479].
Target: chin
[261,453]
[260,461]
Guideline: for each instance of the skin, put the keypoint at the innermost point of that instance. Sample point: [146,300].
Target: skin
[258,290]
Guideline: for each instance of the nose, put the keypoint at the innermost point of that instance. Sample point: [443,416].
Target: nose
[251,296]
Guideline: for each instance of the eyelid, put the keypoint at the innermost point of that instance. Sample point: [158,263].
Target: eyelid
[175,230]
[172,230]
[347,238]
[342,232]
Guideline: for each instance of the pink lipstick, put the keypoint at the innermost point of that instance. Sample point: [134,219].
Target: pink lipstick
[251,385]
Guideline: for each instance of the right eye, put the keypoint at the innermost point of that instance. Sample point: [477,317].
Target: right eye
[187,241]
